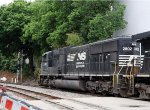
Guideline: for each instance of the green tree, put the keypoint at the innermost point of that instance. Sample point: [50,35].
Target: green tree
[94,20]
[49,24]
[58,36]
[13,18]
[103,26]
[73,39]
[8,63]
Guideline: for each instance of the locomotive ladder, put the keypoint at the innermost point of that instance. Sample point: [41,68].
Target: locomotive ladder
[129,79]
[114,75]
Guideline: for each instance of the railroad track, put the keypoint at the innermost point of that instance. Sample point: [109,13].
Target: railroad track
[30,93]
[71,104]
[38,96]
[61,103]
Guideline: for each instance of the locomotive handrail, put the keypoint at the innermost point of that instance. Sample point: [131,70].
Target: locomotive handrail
[114,74]
[119,73]
[126,73]
[131,75]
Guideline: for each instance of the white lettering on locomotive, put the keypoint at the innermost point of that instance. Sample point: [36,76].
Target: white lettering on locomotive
[82,56]
[80,59]
[130,48]
[80,65]
[136,49]
[127,48]
[71,57]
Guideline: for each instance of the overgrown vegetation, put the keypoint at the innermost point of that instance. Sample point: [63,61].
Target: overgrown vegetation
[36,27]
[8,63]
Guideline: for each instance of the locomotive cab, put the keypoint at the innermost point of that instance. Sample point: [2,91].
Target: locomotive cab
[46,67]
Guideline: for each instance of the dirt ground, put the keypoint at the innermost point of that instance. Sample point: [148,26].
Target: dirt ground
[8,75]
[12,77]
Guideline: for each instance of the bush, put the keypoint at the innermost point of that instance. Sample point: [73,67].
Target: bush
[37,73]
[8,63]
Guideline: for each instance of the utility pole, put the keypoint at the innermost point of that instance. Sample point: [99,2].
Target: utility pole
[18,68]
[21,63]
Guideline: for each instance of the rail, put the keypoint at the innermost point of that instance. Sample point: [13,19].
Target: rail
[49,99]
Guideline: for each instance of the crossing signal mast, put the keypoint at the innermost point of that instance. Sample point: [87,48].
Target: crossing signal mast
[20,63]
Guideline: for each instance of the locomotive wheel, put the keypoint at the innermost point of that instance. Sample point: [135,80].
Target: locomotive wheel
[104,93]
[116,95]
[93,91]
[123,92]
[143,94]
[46,86]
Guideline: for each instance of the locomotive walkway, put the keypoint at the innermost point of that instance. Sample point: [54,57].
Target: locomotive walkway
[47,99]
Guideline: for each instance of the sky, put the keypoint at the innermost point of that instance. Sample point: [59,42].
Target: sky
[2,2]
[5,2]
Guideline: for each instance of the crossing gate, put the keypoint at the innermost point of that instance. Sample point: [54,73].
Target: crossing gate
[10,103]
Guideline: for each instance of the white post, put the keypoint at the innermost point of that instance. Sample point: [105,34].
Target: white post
[12,80]
[15,80]
[17,76]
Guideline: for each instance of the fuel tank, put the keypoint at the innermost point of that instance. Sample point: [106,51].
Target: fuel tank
[70,84]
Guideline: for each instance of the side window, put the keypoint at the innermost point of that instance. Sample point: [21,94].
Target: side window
[50,60]
[100,58]
[55,60]
[44,58]
[95,58]
[113,56]
[106,57]
[50,63]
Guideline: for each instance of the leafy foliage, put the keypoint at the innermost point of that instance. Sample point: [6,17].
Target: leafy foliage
[73,39]
[12,20]
[37,73]
[8,63]
[94,20]
[103,26]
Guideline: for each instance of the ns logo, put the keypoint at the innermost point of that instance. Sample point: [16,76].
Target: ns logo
[81,56]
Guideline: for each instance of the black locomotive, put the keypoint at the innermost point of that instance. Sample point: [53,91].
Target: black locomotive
[111,66]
